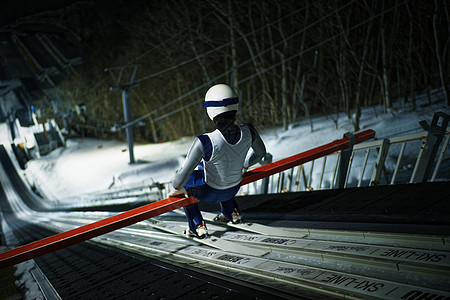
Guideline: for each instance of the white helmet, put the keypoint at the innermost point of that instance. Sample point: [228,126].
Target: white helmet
[220,98]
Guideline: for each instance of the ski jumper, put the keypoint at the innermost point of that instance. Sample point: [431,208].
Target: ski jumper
[222,155]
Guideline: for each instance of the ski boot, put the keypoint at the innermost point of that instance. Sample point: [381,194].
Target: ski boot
[236,217]
[201,231]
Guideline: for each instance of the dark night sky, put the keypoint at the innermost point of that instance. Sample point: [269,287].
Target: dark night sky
[12,10]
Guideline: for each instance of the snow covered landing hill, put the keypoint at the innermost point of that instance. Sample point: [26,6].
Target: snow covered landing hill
[89,165]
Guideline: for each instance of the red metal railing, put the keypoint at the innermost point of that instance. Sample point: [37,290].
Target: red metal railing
[304,157]
[83,233]
[142,213]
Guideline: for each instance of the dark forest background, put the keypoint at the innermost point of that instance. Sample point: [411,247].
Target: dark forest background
[287,59]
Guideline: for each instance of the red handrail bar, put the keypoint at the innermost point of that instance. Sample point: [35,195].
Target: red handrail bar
[83,233]
[304,157]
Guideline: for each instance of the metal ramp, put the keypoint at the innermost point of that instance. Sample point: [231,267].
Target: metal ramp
[300,261]
[290,261]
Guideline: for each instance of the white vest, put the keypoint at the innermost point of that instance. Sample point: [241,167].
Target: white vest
[224,168]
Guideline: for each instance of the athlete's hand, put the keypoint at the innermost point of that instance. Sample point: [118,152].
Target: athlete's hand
[267,159]
[178,192]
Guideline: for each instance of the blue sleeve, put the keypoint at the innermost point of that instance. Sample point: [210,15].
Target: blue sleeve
[207,146]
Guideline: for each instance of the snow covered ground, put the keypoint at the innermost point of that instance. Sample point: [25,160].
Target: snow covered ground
[90,165]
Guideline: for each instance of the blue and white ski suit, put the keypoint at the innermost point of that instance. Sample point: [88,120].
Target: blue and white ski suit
[220,157]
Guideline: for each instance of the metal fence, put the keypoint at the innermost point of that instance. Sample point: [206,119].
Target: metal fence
[412,158]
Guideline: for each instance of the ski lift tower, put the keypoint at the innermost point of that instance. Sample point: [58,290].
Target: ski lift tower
[123,78]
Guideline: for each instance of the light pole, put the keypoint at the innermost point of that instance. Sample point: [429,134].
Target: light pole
[125,74]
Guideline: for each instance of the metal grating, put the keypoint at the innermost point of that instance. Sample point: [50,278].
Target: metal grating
[86,271]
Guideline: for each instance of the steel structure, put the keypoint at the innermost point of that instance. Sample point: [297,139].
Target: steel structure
[124,81]
[368,164]
[89,231]
[287,260]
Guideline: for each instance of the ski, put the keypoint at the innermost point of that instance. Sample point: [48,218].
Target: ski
[212,241]
[256,227]
[253,227]
[154,209]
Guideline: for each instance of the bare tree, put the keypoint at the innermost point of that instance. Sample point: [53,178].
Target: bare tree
[369,53]
[442,69]
[302,90]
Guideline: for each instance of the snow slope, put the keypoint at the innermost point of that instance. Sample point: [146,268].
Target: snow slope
[89,165]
